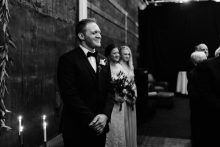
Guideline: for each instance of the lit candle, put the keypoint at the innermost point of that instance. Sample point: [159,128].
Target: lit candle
[20,128]
[45,128]
[45,131]
[44,117]
[21,136]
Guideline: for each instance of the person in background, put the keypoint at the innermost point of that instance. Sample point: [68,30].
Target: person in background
[197,57]
[207,81]
[131,124]
[84,81]
[202,47]
[195,106]
[217,52]
[116,137]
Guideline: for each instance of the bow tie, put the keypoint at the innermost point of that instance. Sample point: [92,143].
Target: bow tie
[89,54]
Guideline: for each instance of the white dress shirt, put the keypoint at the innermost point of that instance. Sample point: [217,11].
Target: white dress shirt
[91,59]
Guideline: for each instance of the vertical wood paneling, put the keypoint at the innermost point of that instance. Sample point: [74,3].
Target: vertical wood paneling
[42,31]
[41,37]
[114,17]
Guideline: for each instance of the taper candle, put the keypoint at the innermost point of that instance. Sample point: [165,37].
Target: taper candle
[44,128]
[20,128]
[45,131]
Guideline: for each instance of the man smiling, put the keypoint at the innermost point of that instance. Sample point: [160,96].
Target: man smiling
[85,89]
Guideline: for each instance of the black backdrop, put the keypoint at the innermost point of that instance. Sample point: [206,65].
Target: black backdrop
[169,32]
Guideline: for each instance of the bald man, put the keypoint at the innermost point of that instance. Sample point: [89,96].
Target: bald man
[202,47]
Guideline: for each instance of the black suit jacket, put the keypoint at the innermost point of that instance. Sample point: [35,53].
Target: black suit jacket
[208,83]
[84,93]
[207,104]
[192,87]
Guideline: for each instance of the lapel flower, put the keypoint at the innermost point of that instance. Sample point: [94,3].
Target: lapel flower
[102,62]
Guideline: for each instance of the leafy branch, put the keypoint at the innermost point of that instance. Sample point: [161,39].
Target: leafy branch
[5,42]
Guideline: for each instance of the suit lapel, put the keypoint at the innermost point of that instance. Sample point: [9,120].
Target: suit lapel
[97,64]
[86,62]
[101,70]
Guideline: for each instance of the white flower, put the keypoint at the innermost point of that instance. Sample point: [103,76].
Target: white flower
[125,91]
[102,62]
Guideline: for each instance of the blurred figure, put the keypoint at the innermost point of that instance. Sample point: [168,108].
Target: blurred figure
[195,106]
[217,52]
[197,57]
[202,47]
[207,82]
[131,124]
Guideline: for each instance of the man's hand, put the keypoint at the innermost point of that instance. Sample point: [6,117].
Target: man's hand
[99,122]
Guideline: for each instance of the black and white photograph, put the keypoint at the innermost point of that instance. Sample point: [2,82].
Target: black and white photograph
[109,73]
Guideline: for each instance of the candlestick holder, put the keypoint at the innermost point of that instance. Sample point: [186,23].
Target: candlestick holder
[45,144]
[21,140]
[21,137]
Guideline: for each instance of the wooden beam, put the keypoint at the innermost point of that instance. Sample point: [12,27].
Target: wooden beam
[105,15]
[82,9]
[110,18]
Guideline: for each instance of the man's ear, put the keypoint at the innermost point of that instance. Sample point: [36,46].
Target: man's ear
[81,36]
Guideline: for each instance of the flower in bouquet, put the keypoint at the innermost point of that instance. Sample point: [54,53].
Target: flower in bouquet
[119,85]
[130,97]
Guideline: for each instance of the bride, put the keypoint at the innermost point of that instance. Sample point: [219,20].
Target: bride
[116,137]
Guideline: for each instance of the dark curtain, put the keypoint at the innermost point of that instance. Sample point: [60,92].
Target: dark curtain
[169,32]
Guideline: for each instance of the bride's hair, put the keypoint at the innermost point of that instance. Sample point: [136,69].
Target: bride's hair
[109,48]
[130,62]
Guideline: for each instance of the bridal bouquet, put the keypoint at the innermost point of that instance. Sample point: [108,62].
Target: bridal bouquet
[124,89]
[130,97]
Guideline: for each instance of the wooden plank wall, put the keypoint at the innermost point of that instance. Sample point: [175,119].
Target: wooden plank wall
[42,31]
[118,20]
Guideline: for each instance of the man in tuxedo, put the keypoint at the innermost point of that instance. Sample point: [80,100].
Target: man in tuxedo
[84,83]
[207,86]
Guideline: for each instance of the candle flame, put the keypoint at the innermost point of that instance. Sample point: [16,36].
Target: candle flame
[44,117]
[19,117]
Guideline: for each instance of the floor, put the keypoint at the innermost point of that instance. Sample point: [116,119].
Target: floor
[146,141]
[168,128]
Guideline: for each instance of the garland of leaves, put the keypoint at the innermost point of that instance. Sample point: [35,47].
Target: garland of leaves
[5,42]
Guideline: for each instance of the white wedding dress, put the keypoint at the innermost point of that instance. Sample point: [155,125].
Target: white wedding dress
[116,136]
[123,125]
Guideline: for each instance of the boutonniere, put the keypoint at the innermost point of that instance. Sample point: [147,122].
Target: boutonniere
[102,62]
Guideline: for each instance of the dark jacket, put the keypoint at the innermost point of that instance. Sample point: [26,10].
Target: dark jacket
[84,93]
[207,104]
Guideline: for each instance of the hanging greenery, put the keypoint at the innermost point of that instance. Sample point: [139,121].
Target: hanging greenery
[5,43]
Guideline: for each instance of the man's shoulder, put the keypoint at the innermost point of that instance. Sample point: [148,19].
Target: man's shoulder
[101,56]
[209,63]
[212,61]
[71,53]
